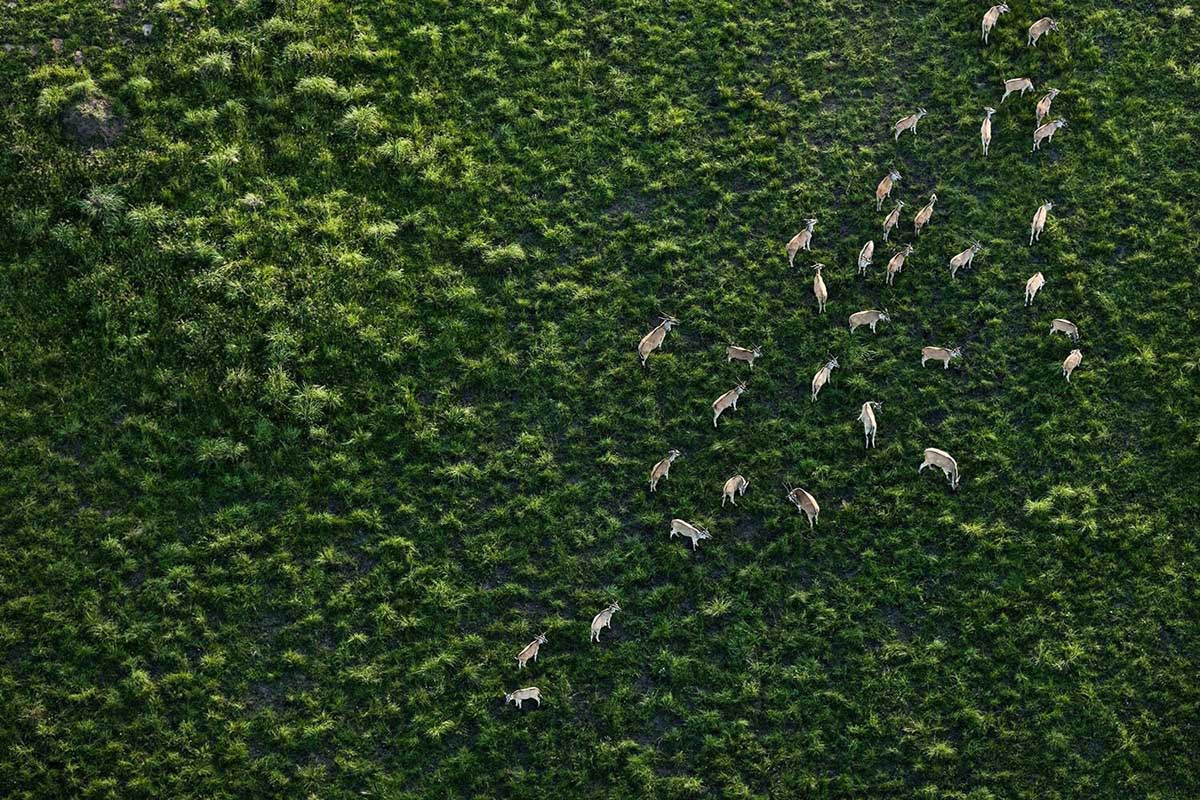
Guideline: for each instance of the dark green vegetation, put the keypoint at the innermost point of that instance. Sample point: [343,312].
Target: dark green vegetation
[319,400]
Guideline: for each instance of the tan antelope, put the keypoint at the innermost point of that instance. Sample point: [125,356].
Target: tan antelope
[909,123]
[822,377]
[941,354]
[727,400]
[992,17]
[654,339]
[896,263]
[530,651]
[924,215]
[742,354]
[1065,326]
[1039,29]
[1021,85]
[884,189]
[603,620]
[689,531]
[985,130]
[1039,221]
[1043,106]
[1046,133]
[864,256]
[521,695]
[805,503]
[870,317]
[662,469]
[963,260]
[943,461]
[734,488]
[867,418]
[801,241]
[892,220]
[819,290]
[1032,286]
[1072,361]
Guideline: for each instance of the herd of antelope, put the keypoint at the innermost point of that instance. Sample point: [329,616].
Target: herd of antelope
[735,486]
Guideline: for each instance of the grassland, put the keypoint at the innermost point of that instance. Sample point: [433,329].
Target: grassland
[319,399]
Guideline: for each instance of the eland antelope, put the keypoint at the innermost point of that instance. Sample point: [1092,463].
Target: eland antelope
[819,290]
[963,260]
[864,256]
[892,220]
[909,123]
[1045,133]
[991,17]
[727,400]
[733,352]
[654,339]
[1021,85]
[867,417]
[822,377]
[1071,362]
[530,651]
[801,241]
[603,620]
[734,488]
[870,317]
[1043,106]
[689,531]
[943,461]
[1039,221]
[1032,286]
[1065,326]
[521,695]
[941,354]
[805,503]
[884,189]
[985,129]
[662,469]
[896,263]
[1040,28]
[924,215]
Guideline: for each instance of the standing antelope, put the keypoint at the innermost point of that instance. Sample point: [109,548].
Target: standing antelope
[1039,221]
[654,339]
[896,263]
[943,461]
[941,354]
[892,220]
[985,130]
[924,215]
[521,695]
[963,260]
[804,502]
[822,377]
[727,400]
[991,17]
[864,256]
[1039,28]
[801,241]
[867,418]
[1071,362]
[1046,132]
[530,651]
[689,531]
[742,354]
[884,189]
[909,123]
[603,620]
[870,317]
[1065,326]
[662,469]
[734,487]
[1021,85]
[1043,106]
[819,290]
[1035,283]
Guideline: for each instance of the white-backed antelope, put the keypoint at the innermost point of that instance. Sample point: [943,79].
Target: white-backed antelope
[985,129]
[870,317]
[727,400]
[864,256]
[991,17]
[1065,326]
[689,531]
[733,352]
[896,263]
[924,215]
[1039,29]
[892,220]
[1033,286]
[1071,362]
[603,620]
[734,488]
[1045,133]
[867,417]
[521,695]
[662,469]
[943,461]
[805,503]
[884,189]
[1043,106]
[822,377]
[909,123]
[801,241]
[530,651]
[963,260]
[1021,85]
[942,354]
[819,290]
[654,339]
[1039,221]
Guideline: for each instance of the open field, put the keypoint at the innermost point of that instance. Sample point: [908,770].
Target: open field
[319,399]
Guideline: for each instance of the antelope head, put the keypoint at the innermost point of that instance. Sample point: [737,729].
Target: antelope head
[921,112]
[613,606]
[956,352]
[1053,24]
[668,322]
[1060,123]
[932,198]
[674,454]
[1049,204]
[895,176]
[976,247]
[757,351]
[810,223]
[1053,93]
[741,387]
[900,204]
[989,111]
[818,267]
[908,248]
[541,638]
[831,363]
[884,316]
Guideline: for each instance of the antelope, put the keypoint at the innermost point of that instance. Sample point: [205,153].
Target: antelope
[1036,282]
[909,123]
[870,317]
[940,354]
[1071,362]
[654,339]
[819,290]
[1021,85]
[822,377]
[864,256]
[521,695]
[892,220]
[804,502]
[1043,106]
[603,620]
[801,241]
[1065,326]
[1040,28]
[662,469]
[867,418]
[734,487]
[963,260]
[530,651]
[943,461]
[742,354]
[924,215]
[1046,133]
[689,531]
[727,400]
[897,263]
[884,189]
[985,130]
[991,17]
[1039,221]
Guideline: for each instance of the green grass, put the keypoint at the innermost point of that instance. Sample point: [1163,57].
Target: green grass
[319,400]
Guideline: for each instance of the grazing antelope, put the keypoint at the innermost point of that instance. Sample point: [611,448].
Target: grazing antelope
[867,418]
[941,354]
[727,400]
[734,487]
[654,339]
[896,263]
[662,469]
[870,317]
[801,241]
[689,531]
[1071,362]
[804,502]
[864,256]
[819,290]
[991,17]
[963,260]
[1021,85]
[909,123]
[884,189]
[1065,326]
[1040,28]
[1043,106]
[1032,286]
[742,354]
[1046,133]
[530,651]
[943,461]
[892,220]
[822,377]
[603,620]
[1039,221]
[521,695]
[985,130]
[924,215]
